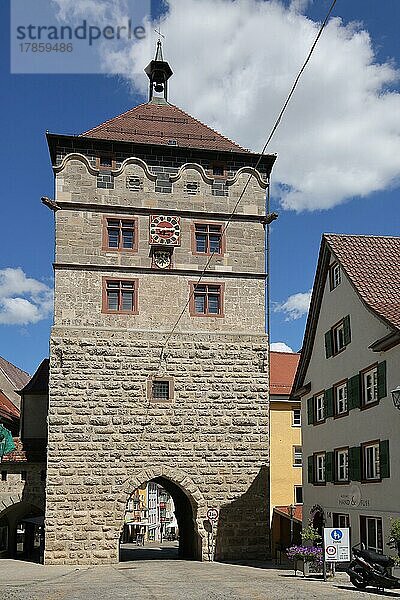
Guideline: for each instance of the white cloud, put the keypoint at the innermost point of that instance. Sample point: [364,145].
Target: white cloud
[23,300]
[234,63]
[280,347]
[295,306]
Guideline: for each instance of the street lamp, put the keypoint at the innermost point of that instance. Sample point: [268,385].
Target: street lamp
[396,397]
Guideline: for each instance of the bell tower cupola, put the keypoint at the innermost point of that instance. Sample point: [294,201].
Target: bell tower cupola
[158,71]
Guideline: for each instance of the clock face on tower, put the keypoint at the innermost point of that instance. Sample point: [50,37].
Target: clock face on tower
[165,230]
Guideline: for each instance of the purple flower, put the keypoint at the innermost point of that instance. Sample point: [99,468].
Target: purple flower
[307,553]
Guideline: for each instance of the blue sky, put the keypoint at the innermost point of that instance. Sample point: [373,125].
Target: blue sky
[32,104]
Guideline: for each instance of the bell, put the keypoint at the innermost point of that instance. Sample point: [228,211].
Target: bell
[159,87]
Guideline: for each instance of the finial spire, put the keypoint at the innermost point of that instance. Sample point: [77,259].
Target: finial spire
[158,71]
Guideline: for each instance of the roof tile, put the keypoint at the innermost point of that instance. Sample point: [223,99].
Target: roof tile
[283,370]
[158,123]
[372,263]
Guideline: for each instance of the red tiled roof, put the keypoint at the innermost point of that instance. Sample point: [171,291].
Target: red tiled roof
[157,123]
[372,263]
[297,513]
[7,408]
[17,377]
[18,455]
[283,370]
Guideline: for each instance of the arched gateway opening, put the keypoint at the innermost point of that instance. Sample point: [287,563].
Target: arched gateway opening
[160,523]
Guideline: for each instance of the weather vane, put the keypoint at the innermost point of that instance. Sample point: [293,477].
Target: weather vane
[160,35]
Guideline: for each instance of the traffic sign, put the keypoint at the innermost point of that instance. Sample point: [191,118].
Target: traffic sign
[212,514]
[337,544]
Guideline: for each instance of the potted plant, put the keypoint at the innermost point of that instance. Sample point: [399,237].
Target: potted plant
[310,536]
[305,558]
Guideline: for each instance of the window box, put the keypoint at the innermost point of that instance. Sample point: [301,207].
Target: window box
[120,234]
[120,296]
[206,300]
[207,239]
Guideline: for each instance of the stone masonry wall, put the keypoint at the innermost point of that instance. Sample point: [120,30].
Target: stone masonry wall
[105,437]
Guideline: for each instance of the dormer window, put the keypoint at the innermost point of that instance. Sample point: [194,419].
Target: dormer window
[172,142]
[335,276]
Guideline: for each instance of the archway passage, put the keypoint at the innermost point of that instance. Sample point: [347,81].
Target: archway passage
[22,532]
[160,524]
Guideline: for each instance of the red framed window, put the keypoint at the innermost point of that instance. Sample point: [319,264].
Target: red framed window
[206,300]
[120,234]
[208,238]
[120,296]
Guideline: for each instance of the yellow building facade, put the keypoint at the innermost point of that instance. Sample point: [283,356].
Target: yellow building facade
[285,451]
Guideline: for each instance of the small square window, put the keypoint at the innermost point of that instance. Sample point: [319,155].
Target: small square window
[4,475]
[297,456]
[160,389]
[208,239]
[218,170]
[120,234]
[106,161]
[296,417]
[206,300]
[120,296]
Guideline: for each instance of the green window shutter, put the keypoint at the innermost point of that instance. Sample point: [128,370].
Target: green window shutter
[382,391]
[347,330]
[328,344]
[310,469]
[310,410]
[329,466]
[355,463]
[384,459]
[354,392]
[328,403]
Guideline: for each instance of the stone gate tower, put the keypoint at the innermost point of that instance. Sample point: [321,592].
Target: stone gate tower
[137,393]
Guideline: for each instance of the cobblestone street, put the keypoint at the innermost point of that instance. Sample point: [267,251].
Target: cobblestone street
[168,580]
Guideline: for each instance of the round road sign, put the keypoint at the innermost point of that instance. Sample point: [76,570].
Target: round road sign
[212,514]
[330,550]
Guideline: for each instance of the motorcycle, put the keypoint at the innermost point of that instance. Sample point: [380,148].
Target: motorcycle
[370,568]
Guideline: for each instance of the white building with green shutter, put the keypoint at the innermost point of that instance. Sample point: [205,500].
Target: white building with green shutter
[349,365]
